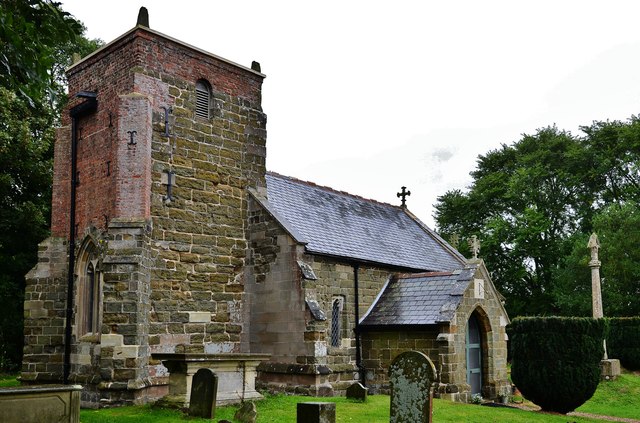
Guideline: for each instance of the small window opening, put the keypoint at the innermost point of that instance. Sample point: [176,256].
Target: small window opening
[336,322]
[90,301]
[203,99]
[88,292]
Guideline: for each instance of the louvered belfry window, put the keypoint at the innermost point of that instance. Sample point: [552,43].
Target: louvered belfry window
[203,94]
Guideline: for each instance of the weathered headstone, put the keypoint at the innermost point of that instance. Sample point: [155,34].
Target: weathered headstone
[316,412]
[357,392]
[204,388]
[247,413]
[411,375]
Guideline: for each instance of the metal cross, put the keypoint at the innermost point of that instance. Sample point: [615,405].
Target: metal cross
[404,194]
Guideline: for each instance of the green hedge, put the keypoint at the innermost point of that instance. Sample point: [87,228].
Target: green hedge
[623,341]
[556,360]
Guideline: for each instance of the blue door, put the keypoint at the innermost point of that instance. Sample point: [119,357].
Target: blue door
[474,355]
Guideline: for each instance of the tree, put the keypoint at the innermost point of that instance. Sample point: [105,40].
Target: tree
[30,31]
[556,360]
[524,201]
[617,226]
[534,204]
[37,39]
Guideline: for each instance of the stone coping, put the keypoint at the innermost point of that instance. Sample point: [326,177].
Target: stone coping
[202,357]
[289,368]
[12,390]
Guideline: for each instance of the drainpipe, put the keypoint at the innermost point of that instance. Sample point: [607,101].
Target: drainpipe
[86,107]
[356,301]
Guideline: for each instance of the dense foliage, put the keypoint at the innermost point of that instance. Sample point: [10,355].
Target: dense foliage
[556,360]
[623,341]
[533,205]
[37,40]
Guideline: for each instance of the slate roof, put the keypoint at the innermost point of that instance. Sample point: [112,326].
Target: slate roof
[419,299]
[342,225]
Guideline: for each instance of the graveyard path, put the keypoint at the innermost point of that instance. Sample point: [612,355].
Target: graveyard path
[535,408]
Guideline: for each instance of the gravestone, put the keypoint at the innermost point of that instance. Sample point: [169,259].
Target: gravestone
[247,413]
[357,392]
[411,375]
[204,388]
[316,412]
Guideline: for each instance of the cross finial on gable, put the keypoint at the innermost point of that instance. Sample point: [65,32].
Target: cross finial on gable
[474,244]
[404,194]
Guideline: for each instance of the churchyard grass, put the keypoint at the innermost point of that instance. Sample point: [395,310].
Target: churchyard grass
[8,380]
[620,397]
[282,409]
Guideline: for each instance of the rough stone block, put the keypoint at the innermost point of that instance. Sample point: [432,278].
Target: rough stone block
[125,351]
[199,317]
[316,412]
[111,340]
[610,369]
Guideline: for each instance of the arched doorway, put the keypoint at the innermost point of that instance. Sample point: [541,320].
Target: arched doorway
[474,354]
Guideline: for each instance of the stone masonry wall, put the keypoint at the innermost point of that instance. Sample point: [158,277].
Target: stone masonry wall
[381,348]
[336,280]
[199,236]
[303,360]
[44,314]
[276,306]
[493,323]
[172,271]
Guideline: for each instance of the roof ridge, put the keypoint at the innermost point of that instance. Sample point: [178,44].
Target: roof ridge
[327,188]
[423,275]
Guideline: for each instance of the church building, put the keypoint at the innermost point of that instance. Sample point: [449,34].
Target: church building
[171,242]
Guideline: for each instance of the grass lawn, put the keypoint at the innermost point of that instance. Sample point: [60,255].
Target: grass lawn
[282,409]
[620,398]
[8,380]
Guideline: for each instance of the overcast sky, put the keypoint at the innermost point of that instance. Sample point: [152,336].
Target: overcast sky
[368,96]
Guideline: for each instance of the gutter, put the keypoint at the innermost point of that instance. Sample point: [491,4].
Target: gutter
[83,109]
[356,300]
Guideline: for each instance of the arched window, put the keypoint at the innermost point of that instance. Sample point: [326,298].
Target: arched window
[90,300]
[336,322]
[203,99]
[88,291]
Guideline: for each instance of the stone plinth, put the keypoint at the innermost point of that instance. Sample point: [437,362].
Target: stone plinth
[610,369]
[236,376]
[40,404]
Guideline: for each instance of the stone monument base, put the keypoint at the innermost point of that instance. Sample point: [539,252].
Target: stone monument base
[610,369]
[236,376]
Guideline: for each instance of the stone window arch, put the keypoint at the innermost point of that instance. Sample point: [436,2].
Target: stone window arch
[88,290]
[203,99]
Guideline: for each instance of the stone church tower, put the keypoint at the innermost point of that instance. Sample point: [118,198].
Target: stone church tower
[158,147]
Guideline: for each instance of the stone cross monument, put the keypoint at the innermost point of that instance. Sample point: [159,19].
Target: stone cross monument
[610,368]
[474,244]
[594,264]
